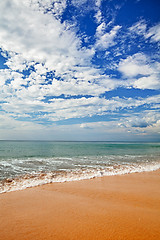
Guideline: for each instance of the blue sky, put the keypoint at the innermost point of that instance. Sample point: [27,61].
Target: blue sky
[80,70]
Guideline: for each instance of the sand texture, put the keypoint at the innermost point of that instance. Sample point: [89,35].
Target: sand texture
[118,207]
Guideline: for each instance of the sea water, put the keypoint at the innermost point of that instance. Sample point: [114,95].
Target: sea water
[31,163]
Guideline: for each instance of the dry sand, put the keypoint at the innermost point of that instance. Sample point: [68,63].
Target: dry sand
[117,207]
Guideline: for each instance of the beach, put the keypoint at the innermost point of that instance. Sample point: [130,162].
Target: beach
[112,207]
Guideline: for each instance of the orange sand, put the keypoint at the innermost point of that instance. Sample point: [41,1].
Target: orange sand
[119,207]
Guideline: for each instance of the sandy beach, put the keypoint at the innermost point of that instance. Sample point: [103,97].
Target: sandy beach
[116,207]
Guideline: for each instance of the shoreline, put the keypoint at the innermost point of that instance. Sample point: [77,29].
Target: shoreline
[41,178]
[110,207]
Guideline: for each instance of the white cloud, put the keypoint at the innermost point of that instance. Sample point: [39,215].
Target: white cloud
[87,131]
[140,28]
[149,82]
[85,126]
[43,39]
[40,44]
[144,73]
[106,39]
[98,3]
[46,41]
[31,101]
[4,75]
[137,123]
[144,122]
[98,16]
[135,65]
[55,7]
[45,45]
[154,33]
[78,3]
[16,62]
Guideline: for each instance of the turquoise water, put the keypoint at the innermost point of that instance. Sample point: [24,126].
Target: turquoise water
[42,162]
[18,149]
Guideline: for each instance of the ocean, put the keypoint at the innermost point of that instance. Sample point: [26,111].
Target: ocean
[26,164]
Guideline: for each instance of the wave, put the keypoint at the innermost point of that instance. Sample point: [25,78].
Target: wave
[41,178]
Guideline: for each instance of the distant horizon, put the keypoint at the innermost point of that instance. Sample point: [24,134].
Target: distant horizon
[20,140]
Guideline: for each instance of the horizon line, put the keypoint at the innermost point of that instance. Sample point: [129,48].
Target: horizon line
[34,140]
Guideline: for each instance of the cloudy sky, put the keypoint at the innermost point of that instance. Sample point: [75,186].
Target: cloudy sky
[80,70]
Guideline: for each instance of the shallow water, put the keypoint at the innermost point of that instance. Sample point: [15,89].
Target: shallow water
[30,163]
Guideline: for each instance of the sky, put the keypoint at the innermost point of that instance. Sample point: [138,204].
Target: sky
[80,70]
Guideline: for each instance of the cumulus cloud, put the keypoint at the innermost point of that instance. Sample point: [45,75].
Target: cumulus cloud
[146,121]
[46,46]
[43,39]
[139,68]
[149,82]
[32,101]
[49,74]
[135,65]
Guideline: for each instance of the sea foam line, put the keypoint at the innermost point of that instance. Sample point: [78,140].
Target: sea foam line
[38,179]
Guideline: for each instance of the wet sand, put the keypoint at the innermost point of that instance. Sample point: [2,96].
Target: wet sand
[117,207]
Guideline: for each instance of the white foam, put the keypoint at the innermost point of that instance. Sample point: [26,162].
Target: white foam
[28,181]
